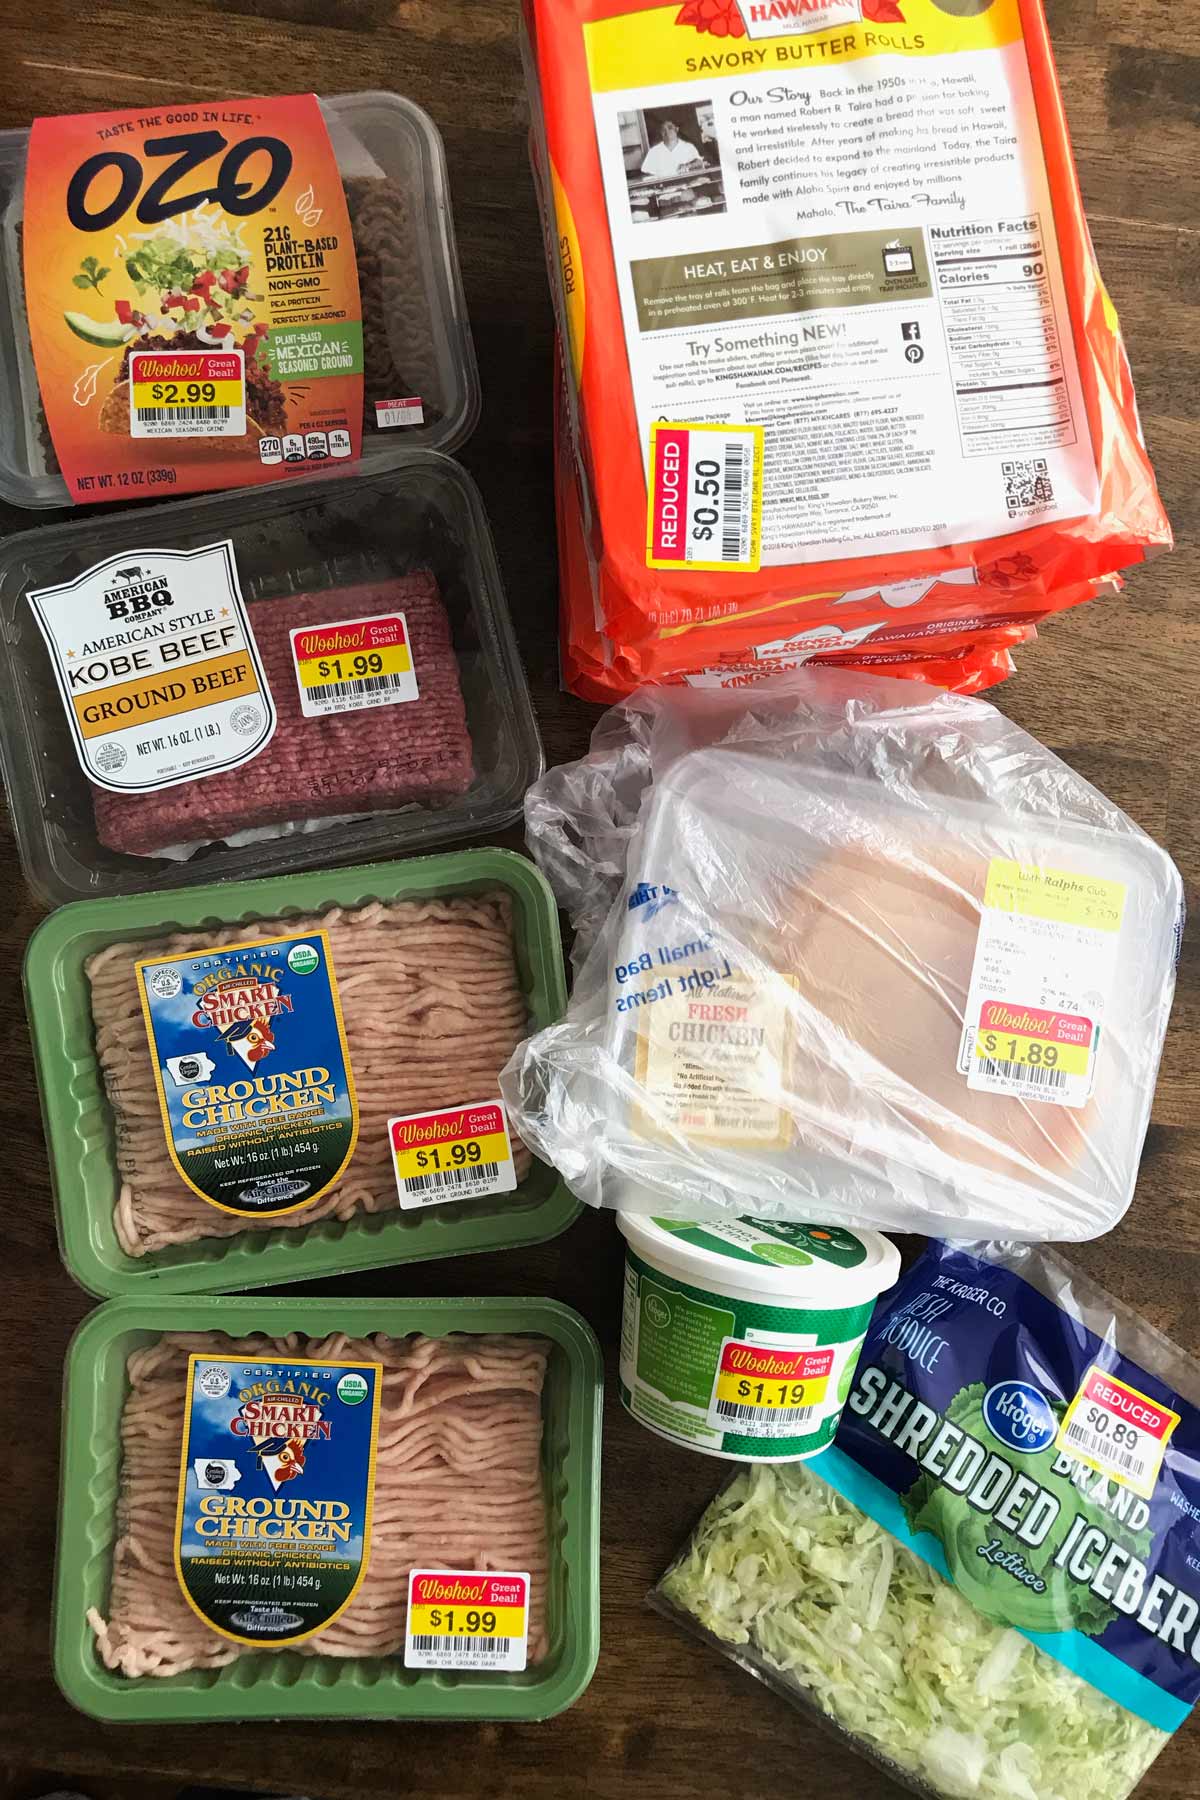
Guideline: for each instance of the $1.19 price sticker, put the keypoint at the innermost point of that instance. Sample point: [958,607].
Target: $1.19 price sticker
[458,1153]
[705,497]
[461,1619]
[1118,1431]
[350,664]
[768,1392]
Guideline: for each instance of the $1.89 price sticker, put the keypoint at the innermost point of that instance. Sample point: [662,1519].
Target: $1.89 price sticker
[462,1619]
[458,1153]
[350,664]
[766,1392]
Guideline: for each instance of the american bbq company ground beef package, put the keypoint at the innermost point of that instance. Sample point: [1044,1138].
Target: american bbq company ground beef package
[254,682]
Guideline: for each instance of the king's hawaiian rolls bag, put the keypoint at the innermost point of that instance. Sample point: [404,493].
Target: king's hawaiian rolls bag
[837,346]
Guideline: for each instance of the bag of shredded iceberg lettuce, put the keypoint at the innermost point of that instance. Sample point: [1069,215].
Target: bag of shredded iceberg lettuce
[991,1581]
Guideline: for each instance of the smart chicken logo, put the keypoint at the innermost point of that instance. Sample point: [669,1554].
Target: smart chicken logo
[281,1422]
[241,1003]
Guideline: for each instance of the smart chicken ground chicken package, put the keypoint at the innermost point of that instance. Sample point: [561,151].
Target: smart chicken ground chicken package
[837,347]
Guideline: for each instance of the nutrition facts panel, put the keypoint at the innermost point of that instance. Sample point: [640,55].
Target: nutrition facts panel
[1006,363]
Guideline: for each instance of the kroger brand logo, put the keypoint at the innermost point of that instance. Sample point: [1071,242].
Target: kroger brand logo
[1019,1416]
[657,1311]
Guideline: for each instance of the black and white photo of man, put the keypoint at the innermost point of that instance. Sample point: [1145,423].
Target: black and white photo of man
[672,154]
[672,161]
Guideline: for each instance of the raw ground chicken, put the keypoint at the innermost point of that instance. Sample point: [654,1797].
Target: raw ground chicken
[433,1009]
[351,762]
[458,1484]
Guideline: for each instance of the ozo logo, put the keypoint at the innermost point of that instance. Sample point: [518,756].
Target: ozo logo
[1019,1416]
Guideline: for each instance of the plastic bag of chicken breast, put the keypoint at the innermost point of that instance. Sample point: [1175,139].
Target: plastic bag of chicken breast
[850,950]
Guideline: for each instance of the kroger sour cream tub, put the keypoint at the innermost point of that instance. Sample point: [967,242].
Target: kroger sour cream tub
[740,1339]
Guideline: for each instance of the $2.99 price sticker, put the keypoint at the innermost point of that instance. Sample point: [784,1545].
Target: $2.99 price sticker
[705,497]
[462,1619]
[766,1392]
[458,1153]
[350,664]
[1118,1431]
[187,393]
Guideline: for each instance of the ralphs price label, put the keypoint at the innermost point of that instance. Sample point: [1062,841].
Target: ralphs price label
[351,664]
[457,1153]
[1045,964]
[462,1619]
[768,1392]
[1117,1430]
[187,393]
[705,497]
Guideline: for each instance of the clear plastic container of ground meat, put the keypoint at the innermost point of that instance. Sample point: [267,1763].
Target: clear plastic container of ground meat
[416,339]
[333,1039]
[383,647]
[486,1466]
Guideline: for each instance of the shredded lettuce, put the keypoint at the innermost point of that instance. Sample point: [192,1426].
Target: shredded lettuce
[805,1586]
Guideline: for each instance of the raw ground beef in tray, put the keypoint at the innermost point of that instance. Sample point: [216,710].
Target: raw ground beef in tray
[367,761]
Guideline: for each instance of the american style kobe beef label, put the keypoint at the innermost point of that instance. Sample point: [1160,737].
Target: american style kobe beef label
[157,666]
[276,1487]
[192,296]
[253,1071]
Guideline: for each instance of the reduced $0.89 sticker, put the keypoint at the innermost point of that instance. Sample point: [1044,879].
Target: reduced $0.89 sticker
[463,1619]
[1117,1430]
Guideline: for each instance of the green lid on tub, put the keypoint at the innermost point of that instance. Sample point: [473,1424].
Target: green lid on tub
[832,1265]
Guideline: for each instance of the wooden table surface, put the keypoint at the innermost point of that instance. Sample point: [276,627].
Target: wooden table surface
[1111,687]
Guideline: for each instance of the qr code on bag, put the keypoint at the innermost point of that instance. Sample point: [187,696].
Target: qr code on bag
[1027,484]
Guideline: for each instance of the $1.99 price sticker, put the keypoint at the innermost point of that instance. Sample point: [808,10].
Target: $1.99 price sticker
[461,1619]
[1118,1431]
[350,664]
[458,1153]
[764,1392]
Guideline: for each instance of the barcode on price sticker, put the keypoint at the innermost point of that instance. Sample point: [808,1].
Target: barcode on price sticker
[457,1153]
[761,1391]
[462,1619]
[705,497]
[187,393]
[351,664]
[1118,1431]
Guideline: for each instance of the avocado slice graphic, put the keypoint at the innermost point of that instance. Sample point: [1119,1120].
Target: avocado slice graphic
[107,333]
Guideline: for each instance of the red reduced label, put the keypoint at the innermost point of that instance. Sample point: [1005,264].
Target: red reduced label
[1117,1397]
[668,531]
[765,1363]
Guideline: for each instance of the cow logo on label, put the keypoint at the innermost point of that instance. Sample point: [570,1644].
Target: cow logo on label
[1019,1416]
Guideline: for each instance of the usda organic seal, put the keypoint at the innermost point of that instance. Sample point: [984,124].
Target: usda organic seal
[351,1390]
[302,959]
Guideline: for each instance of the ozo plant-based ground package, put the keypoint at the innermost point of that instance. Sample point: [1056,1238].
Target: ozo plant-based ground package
[839,359]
